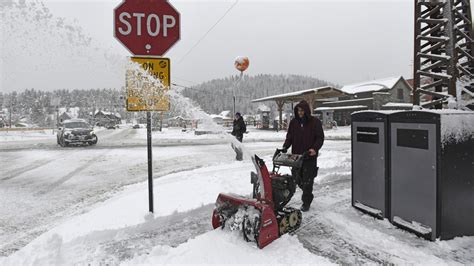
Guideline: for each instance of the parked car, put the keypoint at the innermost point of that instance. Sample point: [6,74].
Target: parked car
[136,126]
[76,131]
[110,126]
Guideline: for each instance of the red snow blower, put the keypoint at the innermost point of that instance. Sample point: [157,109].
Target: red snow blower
[262,217]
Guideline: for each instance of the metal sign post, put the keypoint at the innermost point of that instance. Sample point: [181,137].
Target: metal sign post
[149,37]
[143,96]
[150,162]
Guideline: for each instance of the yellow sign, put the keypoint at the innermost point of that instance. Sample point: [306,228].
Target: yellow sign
[146,91]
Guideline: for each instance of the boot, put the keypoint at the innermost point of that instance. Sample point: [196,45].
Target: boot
[304,207]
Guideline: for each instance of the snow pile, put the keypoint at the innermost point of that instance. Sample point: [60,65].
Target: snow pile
[224,247]
[456,126]
[178,192]
[21,135]
[237,220]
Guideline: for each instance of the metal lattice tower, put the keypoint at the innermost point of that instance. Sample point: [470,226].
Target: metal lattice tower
[443,53]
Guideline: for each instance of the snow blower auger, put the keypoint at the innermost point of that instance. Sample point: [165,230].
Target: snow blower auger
[264,217]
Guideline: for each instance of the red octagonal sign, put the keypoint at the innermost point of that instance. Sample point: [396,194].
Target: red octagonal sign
[147,27]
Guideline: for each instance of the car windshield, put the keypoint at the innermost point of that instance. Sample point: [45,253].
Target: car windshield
[76,125]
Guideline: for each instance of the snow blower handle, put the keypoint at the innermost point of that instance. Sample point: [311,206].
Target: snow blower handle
[278,151]
[305,155]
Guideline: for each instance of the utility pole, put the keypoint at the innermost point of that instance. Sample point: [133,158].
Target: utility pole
[57,116]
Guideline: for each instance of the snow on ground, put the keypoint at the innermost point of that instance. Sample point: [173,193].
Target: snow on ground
[224,247]
[66,181]
[253,135]
[127,137]
[178,192]
[174,193]
[119,231]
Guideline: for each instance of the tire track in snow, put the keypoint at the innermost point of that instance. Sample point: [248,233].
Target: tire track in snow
[30,167]
[71,174]
[319,237]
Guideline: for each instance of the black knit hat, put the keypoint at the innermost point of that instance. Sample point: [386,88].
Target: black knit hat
[238,114]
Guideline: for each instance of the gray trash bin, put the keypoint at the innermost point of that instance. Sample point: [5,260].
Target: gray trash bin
[432,173]
[370,162]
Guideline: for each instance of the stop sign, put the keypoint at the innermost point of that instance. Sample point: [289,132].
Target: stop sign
[146,27]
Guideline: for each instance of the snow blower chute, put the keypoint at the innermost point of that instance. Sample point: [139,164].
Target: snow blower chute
[263,217]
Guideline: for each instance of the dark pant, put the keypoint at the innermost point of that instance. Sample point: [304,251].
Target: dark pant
[239,154]
[305,179]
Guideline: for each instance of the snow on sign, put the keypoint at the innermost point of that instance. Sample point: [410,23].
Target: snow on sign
[146,91]
[147,27]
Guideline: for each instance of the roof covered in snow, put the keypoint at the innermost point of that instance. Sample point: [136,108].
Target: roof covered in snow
[372,85]
[321,92]
[398,105]
[107,113]
[72,112]
[225,114]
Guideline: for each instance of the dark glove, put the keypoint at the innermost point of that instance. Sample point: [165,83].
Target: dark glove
[284,150]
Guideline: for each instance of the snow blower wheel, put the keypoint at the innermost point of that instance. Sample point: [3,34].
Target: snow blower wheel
[283,225]
[295,219]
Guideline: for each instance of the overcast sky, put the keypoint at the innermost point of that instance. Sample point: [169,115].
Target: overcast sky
[339,41]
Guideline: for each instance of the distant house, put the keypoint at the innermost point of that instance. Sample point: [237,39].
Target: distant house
[103,118]
[394,92]
[68,113]
[64,116]
[177,121]
[217,119]
[223,118]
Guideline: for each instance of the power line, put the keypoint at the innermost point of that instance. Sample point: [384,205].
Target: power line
[204,36]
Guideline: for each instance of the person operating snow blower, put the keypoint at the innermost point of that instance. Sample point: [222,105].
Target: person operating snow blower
[305,134]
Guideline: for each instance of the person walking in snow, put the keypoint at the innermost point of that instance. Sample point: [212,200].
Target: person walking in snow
[238,130]
[305,134]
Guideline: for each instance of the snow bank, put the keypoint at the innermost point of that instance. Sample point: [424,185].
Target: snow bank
[225,247]
[178,192]
[20,135]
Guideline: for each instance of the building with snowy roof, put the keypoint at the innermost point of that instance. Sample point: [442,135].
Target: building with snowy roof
[103,118]
[68,113]
[311,96]
[224,117]
[393,93]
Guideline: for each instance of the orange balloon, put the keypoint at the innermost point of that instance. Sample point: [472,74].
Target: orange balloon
[241,63]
